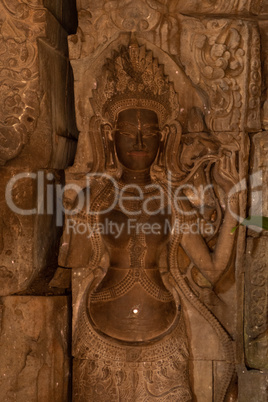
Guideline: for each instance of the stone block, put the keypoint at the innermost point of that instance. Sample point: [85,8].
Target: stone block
[28,233]
[33,114]
[34,347]
[203,380]
[253,386]
[256,303]
[236,81]
[258,195]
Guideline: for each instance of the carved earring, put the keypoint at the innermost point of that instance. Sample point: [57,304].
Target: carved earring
[111,163]
[172,150]
[161,160]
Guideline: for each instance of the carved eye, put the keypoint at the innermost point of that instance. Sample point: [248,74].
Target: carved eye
[150,133]
[127,133]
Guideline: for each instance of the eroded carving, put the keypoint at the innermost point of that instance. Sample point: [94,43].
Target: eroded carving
[256,291]
[219,61]
[100,22]
[215,57]
[254,81]
[256,273]
[34,352]
[20,25]
[221,6]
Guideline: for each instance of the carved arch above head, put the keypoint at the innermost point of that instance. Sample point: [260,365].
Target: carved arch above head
[100,21]
[88,79]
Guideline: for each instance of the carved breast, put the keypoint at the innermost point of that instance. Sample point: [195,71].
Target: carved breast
[131,303]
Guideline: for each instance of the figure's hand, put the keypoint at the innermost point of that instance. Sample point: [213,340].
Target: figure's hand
[225,172]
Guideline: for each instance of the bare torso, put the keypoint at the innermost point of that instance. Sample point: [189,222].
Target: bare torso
[131,303]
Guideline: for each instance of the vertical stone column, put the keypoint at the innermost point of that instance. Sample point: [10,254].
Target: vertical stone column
[254,378]
[35,362]
[38,134]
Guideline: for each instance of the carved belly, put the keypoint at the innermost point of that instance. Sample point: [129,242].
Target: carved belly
[135,309]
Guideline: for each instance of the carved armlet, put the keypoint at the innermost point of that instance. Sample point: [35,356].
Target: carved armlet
[191,218]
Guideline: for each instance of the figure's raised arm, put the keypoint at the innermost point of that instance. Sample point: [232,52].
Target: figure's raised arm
[213,264]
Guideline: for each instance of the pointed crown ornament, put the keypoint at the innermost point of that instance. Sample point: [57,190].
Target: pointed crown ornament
[133,79]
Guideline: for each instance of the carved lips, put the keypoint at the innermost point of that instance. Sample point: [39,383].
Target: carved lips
[138,153]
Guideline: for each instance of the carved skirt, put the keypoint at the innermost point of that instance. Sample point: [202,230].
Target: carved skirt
[106,370]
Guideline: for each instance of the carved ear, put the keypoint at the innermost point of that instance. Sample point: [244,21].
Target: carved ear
[160,163]
[108,134]
[108,131]
[164,133]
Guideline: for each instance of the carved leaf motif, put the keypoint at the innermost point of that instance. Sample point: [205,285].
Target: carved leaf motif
[254,81]
[217,60]
[221,6]
[100,21]
[256,287]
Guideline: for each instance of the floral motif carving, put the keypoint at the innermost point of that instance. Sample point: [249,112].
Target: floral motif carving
[258,298]
[100,21]
[254,86]
[19,104]
[256,292]
[215,58]
[222,6]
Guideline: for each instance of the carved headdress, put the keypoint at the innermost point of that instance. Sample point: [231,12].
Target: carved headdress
[134,79]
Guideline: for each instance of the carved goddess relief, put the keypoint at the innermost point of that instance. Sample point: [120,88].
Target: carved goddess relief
[130,337]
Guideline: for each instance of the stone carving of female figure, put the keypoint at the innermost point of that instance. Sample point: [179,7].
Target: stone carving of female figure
[130,340]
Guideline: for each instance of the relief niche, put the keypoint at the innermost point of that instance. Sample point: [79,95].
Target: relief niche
[142,271]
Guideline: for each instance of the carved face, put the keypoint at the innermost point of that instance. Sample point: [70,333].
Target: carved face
[137,138]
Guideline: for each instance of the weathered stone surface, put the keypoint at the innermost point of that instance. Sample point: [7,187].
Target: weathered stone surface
[64,11]
[253,386]
[256,272]
[100,22]
[258,191]
[241,8]
[35,361]
[263,8]
[256,299]
[210,50]
[203,380]
[34,111]
[28,232]
[227,70]
[263,27]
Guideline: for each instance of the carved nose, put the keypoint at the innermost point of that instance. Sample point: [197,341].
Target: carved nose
[139,143]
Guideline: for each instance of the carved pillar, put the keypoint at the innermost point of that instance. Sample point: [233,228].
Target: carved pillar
[37,141]
[256,278]
[35,363]
[37,134]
